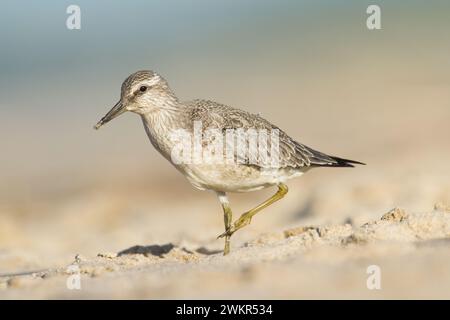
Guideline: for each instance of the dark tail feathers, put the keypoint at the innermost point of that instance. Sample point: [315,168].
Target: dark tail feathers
[340,162]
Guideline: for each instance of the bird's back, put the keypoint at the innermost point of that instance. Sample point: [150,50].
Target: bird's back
[292,154]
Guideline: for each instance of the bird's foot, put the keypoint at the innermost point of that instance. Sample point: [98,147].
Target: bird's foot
[227,233]
[238,224]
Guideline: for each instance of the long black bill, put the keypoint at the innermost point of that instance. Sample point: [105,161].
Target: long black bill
[116,111]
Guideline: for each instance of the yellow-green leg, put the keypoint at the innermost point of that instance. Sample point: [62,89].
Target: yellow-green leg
[246,217]
[227,218]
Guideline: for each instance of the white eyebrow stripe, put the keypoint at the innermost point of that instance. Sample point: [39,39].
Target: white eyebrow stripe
[154,80]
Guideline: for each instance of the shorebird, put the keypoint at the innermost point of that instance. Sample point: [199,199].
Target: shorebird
[148,94]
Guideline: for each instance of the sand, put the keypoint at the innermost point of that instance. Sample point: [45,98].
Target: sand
[322,250]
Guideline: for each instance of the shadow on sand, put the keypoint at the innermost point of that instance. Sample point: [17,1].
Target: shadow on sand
[154,250]
[161,250]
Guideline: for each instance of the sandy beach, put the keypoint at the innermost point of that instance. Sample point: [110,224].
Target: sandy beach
[318,243]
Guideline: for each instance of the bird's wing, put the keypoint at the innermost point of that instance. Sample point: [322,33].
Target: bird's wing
[292,154]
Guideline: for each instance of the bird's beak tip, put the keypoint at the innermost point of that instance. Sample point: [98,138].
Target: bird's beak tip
[98,125]
[116,111]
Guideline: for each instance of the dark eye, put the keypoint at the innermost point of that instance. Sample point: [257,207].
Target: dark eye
[143,89]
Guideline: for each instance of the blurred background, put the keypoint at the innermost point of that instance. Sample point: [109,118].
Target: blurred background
[311,67]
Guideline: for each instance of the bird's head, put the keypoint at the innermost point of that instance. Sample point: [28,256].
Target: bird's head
[142,92]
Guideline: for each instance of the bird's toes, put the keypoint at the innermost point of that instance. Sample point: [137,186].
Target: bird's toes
[228,233]
[222,235]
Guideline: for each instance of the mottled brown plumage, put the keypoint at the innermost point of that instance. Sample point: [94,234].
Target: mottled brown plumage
[292,153]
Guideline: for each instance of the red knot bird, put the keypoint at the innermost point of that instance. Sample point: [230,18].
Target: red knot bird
[231,156]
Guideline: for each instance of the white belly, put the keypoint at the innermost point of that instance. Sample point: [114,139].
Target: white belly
[235,178]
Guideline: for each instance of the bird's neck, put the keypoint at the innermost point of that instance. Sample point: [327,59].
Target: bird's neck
[161,123]
[163,119]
